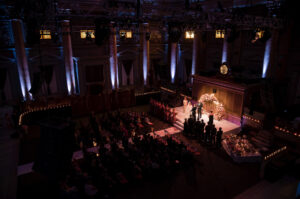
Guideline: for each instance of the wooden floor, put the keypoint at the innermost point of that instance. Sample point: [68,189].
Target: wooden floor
[285,188]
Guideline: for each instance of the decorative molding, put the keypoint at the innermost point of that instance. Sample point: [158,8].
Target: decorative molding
[220,83]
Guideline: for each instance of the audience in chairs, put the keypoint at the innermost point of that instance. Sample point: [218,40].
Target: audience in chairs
[122,158]
[162,111]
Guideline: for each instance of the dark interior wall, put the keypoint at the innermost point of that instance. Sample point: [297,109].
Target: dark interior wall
[252,55]
[213,49]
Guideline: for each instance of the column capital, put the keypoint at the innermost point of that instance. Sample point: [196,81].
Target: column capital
[18,20]
[65,23]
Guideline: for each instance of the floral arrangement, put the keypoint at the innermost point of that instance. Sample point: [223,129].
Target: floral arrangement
[220,111]
[211,103]
[240,146]
[208,98]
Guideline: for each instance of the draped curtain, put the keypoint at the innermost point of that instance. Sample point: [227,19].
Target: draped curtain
[36,83]
[48,74]
[156,67]
[127,64]
[94,73]
[188,67]
[3,73]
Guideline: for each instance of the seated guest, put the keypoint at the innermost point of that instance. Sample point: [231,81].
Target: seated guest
[124,131]
[90,190]
[173,120]
[133,133]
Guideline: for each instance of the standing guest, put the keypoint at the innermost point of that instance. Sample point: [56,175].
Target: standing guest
[207,132]
[213,134]
[200,105]
[185,127]
[202,125]
[197,129]
[211,118]
[190,125]
[219,137]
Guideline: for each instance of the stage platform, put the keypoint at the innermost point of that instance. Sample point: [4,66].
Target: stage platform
[227,126]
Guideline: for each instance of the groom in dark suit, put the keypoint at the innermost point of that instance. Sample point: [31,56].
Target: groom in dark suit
[200,106]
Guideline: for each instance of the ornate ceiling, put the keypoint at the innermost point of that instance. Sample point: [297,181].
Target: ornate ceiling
[196,14]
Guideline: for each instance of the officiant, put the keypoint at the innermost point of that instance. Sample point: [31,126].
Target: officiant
[199,110]
[194,112]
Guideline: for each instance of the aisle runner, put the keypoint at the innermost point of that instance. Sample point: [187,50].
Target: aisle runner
[168,131]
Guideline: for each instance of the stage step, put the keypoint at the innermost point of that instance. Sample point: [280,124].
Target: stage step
[178,127]
[259,143]
[179,123]
[263,139]
[180,120]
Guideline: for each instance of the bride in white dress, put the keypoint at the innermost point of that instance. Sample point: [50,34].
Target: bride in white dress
[189,107]
[185,104]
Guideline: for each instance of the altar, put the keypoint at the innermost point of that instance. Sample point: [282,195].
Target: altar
[231,95]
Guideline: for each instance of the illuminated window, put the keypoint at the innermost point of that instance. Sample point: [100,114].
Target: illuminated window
[260,34]
[45,34]
[189,35]
[220,34]
[85,33]
[126,34]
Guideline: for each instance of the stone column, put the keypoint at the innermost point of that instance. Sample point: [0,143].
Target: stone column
[274,58]
[195,58]
[173,61]
[145,46]
[113,59]
[68,54]
[266,60]
[21,57]
[225,48]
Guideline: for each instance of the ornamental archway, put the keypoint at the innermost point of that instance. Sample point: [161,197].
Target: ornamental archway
[212,104]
